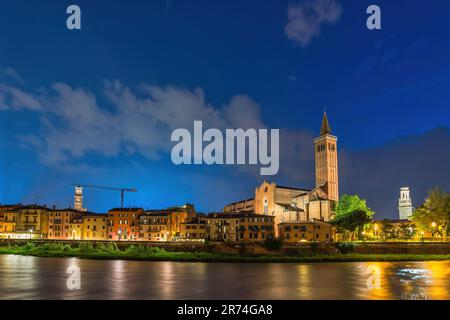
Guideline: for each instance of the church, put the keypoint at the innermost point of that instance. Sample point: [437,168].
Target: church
[292,204]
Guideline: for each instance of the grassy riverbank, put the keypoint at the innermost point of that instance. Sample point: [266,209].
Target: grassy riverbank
[111,252]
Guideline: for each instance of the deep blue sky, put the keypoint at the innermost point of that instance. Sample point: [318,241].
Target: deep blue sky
[386,94]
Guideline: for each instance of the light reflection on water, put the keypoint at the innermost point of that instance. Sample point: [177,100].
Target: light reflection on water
[45,278]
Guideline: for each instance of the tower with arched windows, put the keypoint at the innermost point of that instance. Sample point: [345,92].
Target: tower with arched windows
[405,208]
[326,161]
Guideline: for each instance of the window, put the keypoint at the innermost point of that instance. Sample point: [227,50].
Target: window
[266,206]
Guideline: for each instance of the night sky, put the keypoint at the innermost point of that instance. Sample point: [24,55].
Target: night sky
[98,105]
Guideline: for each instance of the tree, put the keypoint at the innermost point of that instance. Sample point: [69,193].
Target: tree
[352,213]
[349,203]
[406,231]
[387,230]
[434,213]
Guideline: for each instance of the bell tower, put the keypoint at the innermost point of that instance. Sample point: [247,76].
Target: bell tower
[326,160]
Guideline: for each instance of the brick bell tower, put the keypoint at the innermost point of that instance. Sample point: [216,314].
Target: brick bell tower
[326,160]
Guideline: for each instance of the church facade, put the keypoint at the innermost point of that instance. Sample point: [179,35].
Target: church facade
[292,204]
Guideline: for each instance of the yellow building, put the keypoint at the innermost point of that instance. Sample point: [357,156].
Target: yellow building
[194,230]
[163,225]
[154,227]
[8,221]
[301,231]
[239,227]
[64,224]
[75,230]
[94,226]
[32,220]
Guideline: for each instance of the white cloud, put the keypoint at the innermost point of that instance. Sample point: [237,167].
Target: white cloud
[73,124]
[306,18]
[11,72]
[15,98]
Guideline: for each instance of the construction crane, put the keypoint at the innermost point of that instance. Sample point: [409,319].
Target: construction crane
[122,190]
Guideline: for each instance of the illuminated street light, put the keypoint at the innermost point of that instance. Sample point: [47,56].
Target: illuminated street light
[433,225]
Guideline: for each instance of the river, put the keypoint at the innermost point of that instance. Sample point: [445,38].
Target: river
[24,277]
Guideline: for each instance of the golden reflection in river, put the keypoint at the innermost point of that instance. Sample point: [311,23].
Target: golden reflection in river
[440,278]
[167,275]
[26,278]
[373,281]
[304,280]
[118,279]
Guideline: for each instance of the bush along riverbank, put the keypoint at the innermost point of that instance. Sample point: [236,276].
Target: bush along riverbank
[138,252]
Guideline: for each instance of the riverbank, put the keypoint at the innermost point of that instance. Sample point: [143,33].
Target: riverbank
[142,253]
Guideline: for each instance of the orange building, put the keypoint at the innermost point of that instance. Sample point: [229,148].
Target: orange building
[123,223]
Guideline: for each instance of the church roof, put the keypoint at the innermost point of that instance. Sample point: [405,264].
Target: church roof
[325,128]
[290,207]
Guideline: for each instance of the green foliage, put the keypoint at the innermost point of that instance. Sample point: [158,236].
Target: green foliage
[136,250]
[387,230]
[406,231]
[86,247]
[29,246]
[273,244]
[346,247]
[352,221]
[352,213]
[435,210]
[108,247]
[314,246]
[351,203]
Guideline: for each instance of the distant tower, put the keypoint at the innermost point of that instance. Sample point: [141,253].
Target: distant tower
[78,202]
[405,208]
[326,160]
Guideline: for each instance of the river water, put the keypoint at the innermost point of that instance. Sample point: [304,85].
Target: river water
[24,277]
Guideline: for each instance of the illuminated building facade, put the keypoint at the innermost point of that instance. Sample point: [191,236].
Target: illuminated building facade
[94,226]
[123,223]
[239,227]
[301,231]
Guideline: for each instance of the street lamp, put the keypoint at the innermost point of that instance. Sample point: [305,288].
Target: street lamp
[120,232]
[433,225]
[31,230]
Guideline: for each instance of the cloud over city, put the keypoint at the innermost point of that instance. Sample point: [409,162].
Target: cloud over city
[305,19]
[140,120]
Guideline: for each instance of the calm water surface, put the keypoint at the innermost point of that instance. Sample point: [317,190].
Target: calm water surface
[45,278]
